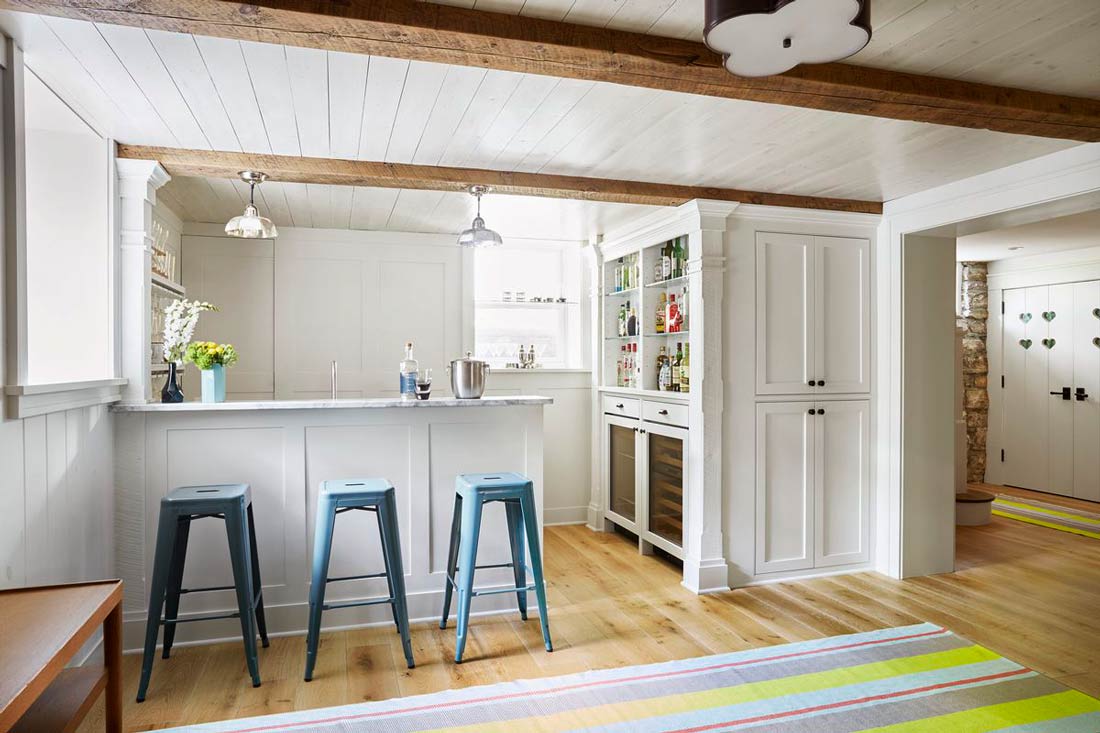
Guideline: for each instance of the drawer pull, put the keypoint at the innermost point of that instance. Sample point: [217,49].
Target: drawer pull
[662,412]
[619,406]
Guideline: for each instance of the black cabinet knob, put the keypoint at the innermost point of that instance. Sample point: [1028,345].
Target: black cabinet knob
[821,383]
[821,411]
[812,383]
[812,411]
[662,412]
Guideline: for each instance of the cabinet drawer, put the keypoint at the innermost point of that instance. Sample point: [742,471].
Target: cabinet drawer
[665,412]
[616,405]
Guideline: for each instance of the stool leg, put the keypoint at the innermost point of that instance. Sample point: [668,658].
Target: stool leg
[257,584]
[467,560]
[515,538]
[531,522]
[452,559]
[236,526]
[389,580]
[395,572]
[175,582]
[322,552]
[162,559]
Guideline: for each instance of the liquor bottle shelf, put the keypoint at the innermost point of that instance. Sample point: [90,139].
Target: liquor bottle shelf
[668,282]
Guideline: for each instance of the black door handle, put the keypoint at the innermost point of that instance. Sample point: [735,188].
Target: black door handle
[1081,394]
[1064,393]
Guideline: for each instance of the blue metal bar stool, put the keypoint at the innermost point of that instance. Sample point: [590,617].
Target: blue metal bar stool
[229,502]
[369,495]
[472,492]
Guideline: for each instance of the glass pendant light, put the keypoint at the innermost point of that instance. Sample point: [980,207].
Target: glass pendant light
[477,235]
[765,37]
[250,225]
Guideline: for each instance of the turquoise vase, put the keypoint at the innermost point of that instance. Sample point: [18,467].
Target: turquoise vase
[213,384]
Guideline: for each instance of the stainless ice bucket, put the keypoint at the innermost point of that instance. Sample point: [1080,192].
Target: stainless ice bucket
[468,377]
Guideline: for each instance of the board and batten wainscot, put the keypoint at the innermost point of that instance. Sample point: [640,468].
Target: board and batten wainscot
[284,450]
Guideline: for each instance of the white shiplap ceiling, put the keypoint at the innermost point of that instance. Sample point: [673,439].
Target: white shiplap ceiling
[162,88]
[1044,45]
[356,207]
[1077,231]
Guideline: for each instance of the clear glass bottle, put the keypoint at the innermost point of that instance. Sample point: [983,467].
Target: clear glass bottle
[666,261]
[659,317]
[662,368]
[676,359]
[685,371]
[409,369]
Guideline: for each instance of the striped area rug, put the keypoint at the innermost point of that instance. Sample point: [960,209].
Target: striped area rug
[915,678]
[1062,518]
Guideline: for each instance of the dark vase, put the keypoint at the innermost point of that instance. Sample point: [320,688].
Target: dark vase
[171,391]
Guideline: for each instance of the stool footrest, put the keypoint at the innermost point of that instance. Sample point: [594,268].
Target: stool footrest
[355,577]
[353,604]
[341,510]
[494,591]
[207,590]
[211,617]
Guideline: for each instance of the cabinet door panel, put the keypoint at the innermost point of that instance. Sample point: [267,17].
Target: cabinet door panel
[621,470]
[842,329]
[841,483]
[665,451]
[784,486]
[1086,375]
[1060,374]
[784,325]
[1027,395]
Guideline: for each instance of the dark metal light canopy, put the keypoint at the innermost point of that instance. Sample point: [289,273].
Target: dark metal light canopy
[766,37]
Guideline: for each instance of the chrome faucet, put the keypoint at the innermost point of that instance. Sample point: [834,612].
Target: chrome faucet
[334,378]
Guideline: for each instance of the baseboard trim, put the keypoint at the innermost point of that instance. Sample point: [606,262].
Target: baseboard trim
[564,515]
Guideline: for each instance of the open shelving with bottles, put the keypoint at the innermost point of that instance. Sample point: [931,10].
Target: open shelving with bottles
[645,311]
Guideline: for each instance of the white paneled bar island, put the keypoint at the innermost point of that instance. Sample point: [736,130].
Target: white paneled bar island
[284,450]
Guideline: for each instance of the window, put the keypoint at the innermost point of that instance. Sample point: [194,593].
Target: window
[69,279]
[529,295]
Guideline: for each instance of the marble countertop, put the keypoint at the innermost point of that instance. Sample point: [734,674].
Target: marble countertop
[378,403]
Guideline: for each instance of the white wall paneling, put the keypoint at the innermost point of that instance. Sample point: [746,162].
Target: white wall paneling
[284,455]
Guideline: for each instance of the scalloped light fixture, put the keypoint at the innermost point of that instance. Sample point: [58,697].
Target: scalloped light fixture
[766,37]
[250,225]
[478,235]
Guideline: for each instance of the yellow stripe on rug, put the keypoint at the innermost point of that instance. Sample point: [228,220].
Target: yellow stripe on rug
[622,712]
[1083,518]
[1051,525]
[994,717]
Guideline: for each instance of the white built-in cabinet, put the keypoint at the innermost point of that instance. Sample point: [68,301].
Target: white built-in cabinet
[812,303]
[1050,366]
[812,484]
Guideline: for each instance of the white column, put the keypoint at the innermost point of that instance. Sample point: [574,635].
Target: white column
[593,259]
[705,569]
[138,181]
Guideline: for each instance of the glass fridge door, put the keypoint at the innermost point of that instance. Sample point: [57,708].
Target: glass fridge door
[622,469]
[666,487]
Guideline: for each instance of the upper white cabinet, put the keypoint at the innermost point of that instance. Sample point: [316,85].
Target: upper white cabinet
[812,484]
[812,314]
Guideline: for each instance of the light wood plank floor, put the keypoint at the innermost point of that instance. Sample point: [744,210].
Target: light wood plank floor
[1029,593]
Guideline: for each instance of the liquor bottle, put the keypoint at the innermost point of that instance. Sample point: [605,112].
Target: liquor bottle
[631,321]
[678,257]
[666,261]
[672,315]
[637,270]
[619,366]
[676,360]
[409,369]
[620,274]
[621,328]
[685,371]
[662,368]
[659,319]
[684,308]
[634,365]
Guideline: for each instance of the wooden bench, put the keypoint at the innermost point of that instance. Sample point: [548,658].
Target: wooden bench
[41,629]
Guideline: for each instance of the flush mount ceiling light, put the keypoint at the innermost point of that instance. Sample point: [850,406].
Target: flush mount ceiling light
[477,235]
[250,225]
[765,37]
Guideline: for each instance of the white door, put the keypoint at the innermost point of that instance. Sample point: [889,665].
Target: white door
[784,318]
[785,486]
[1086,377]
[1027,395]
[1059,349]
[842,324]
[841,482]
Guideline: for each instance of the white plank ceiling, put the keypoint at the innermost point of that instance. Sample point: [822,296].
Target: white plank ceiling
[347,207]
[1043,45]
[160,88]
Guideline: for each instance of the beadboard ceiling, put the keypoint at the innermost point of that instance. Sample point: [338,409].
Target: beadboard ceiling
[356,207]
[161,88]
[1043,45]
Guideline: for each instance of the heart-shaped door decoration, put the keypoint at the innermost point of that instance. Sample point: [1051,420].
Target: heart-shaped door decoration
[1026,343]
[1049,316]
[1025,317]
[1096,312]
[1049,343]
[1096,341]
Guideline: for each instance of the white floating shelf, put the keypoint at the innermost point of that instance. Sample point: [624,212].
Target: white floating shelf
[621,338]
[620,292]
[523,303]
[666,283]
[166,284]
[667,333]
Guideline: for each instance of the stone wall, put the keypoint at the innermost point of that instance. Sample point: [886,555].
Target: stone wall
[975,365]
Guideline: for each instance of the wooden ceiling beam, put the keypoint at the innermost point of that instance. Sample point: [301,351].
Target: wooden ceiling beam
[292,169]
[452,35]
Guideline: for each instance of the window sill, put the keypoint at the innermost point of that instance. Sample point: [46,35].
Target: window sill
[29,400]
